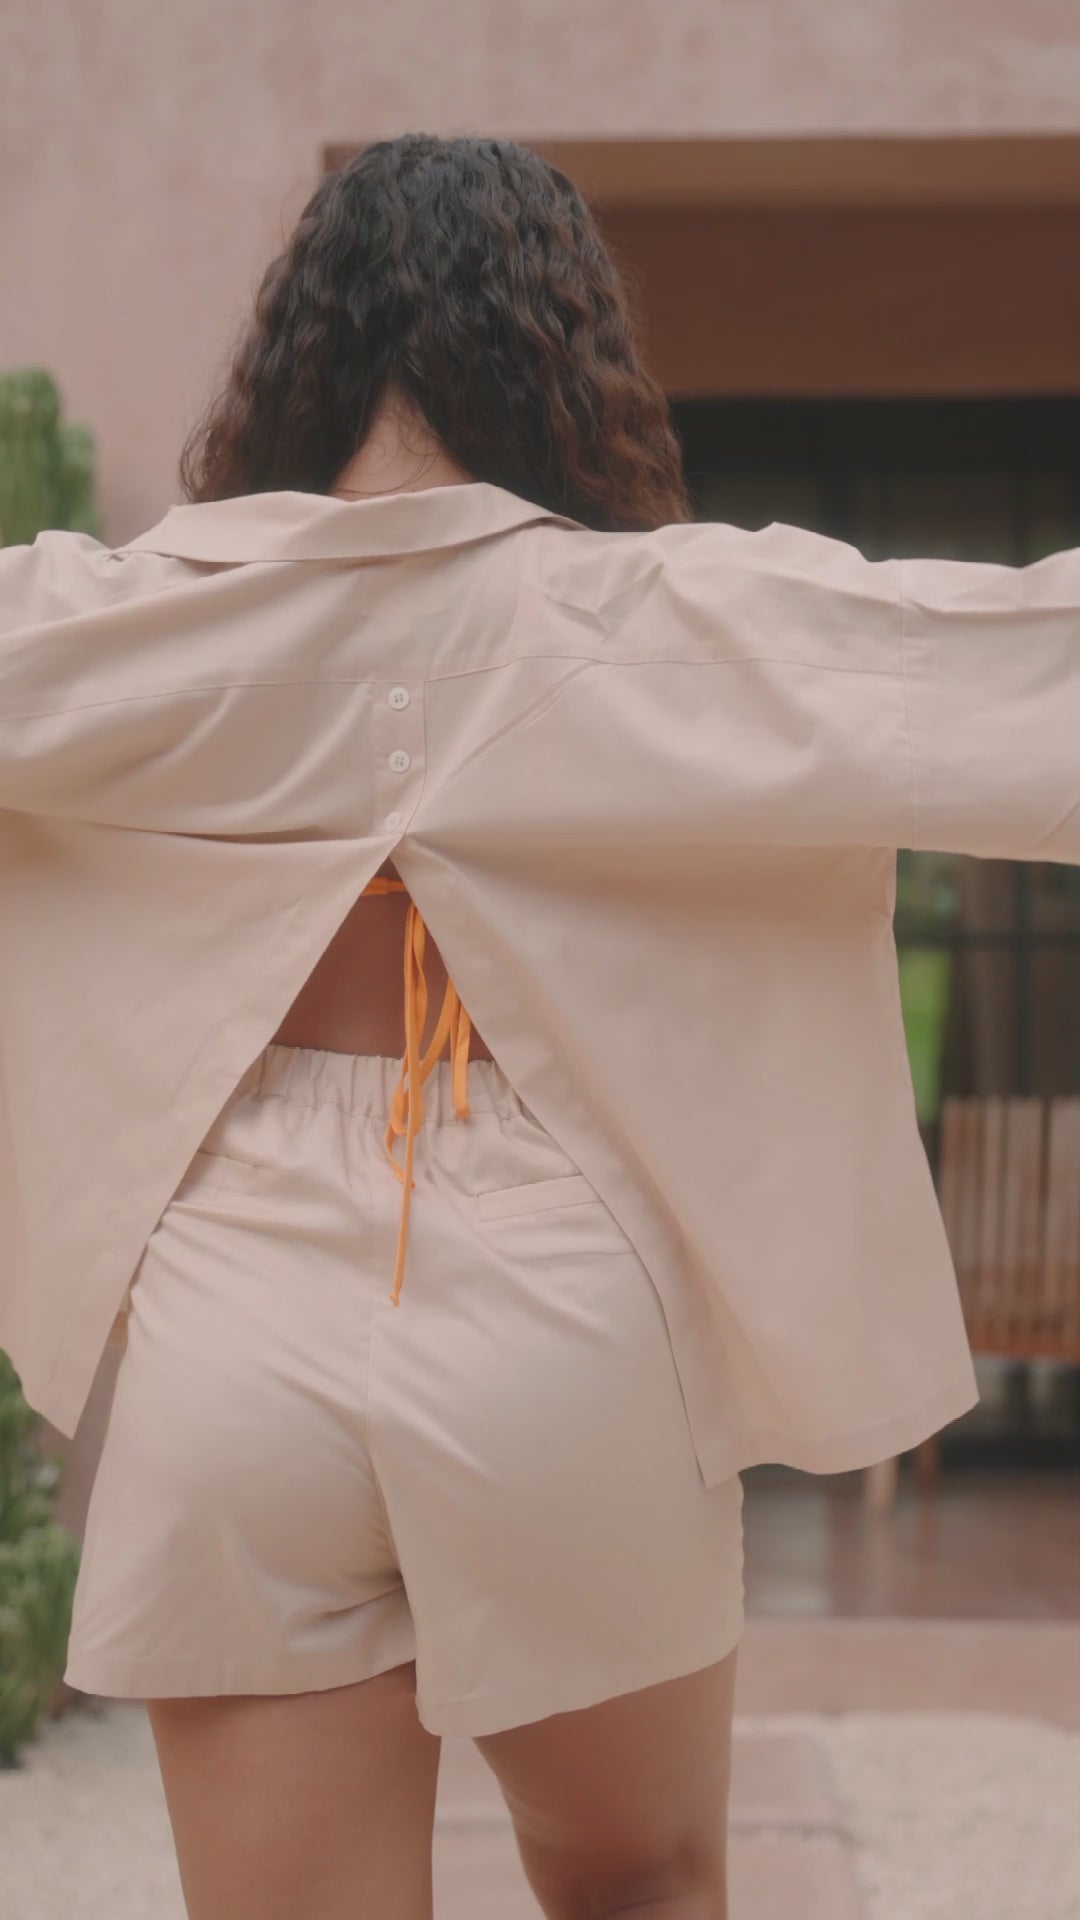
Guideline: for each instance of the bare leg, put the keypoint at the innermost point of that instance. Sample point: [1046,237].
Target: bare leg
[622,1808]
[318,1805]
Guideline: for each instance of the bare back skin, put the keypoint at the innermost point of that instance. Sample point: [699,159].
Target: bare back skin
[353,999]
[320,1805]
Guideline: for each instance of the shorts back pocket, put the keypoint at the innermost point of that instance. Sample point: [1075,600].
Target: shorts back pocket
[536,1196]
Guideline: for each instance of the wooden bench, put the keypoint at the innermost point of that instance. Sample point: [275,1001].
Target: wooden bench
[1009,1186]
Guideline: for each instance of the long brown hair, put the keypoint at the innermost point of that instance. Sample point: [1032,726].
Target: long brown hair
[470,275]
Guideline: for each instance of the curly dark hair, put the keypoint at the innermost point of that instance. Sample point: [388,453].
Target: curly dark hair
[470,275]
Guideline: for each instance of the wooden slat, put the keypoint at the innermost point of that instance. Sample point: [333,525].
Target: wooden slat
[1029,1121]
[956,1175]
[999,1319]
[1009,1190]
[1061,1264]
[947,1167]
[988,1278]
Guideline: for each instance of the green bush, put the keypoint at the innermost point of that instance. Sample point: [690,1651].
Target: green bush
[46,465]
[39,1562]
[46,480]
[925,985]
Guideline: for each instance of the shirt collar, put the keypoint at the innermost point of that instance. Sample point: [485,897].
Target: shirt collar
[316,526]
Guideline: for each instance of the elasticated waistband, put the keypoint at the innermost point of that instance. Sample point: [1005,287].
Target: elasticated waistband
[365,1083]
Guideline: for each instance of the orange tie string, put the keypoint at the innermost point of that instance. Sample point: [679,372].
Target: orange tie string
[453,1026]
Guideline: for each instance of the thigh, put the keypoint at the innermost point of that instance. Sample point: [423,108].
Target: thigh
[319,1804]
[625,1804]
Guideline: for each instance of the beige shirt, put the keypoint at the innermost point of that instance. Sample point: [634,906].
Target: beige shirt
[646,790]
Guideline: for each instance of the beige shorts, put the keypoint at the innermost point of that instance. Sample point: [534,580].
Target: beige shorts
[302,1485]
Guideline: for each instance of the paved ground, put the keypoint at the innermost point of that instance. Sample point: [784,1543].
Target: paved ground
[950,1788]
[86,1832]
[865,1816]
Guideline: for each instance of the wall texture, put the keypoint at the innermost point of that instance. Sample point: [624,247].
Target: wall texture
[154,155]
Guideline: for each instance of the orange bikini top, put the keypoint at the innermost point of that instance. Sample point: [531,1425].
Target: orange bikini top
[454,1026]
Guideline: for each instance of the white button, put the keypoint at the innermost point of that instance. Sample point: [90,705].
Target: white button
[392,822]
[398,696]
[400,760]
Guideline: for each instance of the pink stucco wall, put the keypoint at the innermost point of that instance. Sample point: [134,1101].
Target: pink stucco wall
[152,155]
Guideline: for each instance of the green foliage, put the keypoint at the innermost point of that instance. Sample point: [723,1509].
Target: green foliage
[46,480]
[925,984]
[39,1563]
[927,912]
[46,465]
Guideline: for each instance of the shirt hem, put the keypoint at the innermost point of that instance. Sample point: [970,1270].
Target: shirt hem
[850,1449]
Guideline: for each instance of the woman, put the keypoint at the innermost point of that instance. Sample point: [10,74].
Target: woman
[446,1437]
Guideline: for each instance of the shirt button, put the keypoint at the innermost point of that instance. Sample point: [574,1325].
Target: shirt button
[392,822]
[400,760]
[398,696]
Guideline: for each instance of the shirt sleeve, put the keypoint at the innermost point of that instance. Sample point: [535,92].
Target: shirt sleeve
[76,621]
[848,701]
[127,700]
[991,662]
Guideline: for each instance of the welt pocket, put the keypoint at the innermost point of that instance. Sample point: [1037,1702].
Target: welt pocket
[535,1196]
[218,1170]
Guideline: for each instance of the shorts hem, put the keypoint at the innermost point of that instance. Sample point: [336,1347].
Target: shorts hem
[476,1714]
[149,1679]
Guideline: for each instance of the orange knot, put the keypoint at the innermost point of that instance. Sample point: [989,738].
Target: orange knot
[453,1028]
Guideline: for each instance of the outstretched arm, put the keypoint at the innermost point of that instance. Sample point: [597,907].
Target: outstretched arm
[83,630]
[787,690]
[137,691]
[991,659]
